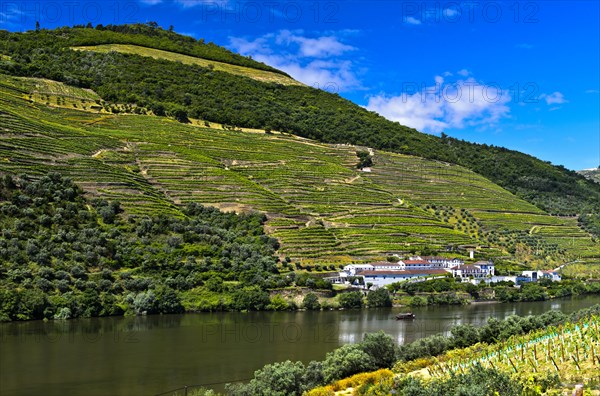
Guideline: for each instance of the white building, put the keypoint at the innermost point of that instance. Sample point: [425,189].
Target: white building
[383,278]
[352,269]
[417,264]
[442,262]
[478,270]
[388,266]
[534,276]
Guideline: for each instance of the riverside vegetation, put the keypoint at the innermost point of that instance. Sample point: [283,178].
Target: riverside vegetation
[505,338]
[65,257]
[451,291]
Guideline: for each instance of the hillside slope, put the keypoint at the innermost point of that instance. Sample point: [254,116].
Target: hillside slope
[319,205]
[256,74]
[183,90]
[592,174]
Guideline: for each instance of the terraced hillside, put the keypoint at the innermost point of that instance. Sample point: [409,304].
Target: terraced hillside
[256,74]
[171,79]
[320,206]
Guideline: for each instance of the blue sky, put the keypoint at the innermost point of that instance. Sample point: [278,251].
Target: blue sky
[524,75]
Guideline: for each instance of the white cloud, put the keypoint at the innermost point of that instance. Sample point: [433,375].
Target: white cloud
[554,98]
[457,104]
[463,72]
[592,91]
[10,13]
[315,61]
[412,20]
[150,2]
[314,47]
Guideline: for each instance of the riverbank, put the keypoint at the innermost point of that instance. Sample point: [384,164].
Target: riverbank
[449,292]
[438,292]
[152,354]
[525,356]
[379,351]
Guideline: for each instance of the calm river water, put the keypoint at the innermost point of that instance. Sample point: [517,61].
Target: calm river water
[150,355]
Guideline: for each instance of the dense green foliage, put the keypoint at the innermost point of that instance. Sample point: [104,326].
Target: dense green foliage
[151,35]
[477,382]
[449,291]
[590,222]
[377,350]
[493,331]
[64,257]
[379,298]
[351,300]
[365,159]
[311,302]
[236,100]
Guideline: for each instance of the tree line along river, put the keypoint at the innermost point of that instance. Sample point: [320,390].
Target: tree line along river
[152,354]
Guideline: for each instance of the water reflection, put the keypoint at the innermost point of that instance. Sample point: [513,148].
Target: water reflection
[148,355]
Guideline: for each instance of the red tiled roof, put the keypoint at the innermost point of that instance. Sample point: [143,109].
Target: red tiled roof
[406,272]
[384,264]
[409,262]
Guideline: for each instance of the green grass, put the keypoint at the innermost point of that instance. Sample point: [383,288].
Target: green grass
[261,75]
[320,207]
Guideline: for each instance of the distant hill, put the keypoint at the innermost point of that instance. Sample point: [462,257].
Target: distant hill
[183,90]
[592,174]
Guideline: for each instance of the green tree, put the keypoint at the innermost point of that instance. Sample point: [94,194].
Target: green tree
[251,298]
[278,303]
[345,361]
[277,379]
[465,335]
[311,302]
[381,348]
[351,300]
[379,298]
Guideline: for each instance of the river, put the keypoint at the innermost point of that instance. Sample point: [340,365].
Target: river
[153,354]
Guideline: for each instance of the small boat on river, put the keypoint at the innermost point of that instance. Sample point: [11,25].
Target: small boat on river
[405,315]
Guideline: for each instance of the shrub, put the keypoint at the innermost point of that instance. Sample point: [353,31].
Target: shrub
[351,300]
[278,303]
[63,313]
[379,298]
[277,379]
[346,360]
[311,302]
[418,301]
[142,303]
[251,298]
[381,348]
